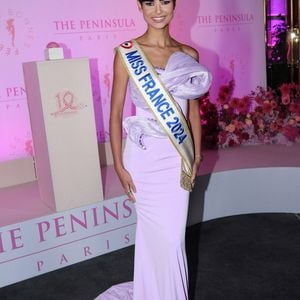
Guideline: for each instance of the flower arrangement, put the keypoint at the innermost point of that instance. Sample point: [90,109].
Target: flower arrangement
[265,116]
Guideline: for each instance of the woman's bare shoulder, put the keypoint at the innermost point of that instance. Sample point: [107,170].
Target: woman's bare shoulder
[190,51]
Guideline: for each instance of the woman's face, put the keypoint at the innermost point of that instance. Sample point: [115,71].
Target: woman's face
[157,13]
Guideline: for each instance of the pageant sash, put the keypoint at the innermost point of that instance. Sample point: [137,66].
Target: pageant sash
[166,110]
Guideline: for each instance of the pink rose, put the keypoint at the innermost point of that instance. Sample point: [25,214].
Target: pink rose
[273,104]
[294,107]
[285,99]
[259,100]
[291,121]
[267,107]
[222,137]
[242,107]
[248,122]
[234,102]
[223,98]
[290,133]
[230,128]
[239,125]
[273,126]
[280,122]
[225,90]
[285,89]
[234,122]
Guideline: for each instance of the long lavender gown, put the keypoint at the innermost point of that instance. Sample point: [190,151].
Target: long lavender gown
[160,267]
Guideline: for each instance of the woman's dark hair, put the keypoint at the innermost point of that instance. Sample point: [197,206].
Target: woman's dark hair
[141,1]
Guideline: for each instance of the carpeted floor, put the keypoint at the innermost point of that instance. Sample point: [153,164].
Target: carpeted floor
[243,257]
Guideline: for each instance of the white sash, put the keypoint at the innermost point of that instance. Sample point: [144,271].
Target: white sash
[166,110]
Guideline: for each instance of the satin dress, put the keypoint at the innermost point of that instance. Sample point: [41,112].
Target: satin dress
[160,266]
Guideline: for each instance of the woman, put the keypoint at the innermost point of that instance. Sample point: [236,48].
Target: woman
[150,167]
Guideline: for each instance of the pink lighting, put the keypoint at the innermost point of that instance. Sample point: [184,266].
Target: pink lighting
[221,34]
[278,8]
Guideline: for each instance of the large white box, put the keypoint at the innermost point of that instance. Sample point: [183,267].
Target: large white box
[64,132]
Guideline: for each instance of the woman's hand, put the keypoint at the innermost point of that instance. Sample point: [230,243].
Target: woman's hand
[196,165]
[127,183]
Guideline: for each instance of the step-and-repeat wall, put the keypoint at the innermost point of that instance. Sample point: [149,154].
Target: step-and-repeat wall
[229,35]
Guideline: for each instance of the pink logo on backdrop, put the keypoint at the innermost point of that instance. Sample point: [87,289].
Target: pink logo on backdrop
[226,22]
[95,29]
[67,103]
[16,32]
[10,26]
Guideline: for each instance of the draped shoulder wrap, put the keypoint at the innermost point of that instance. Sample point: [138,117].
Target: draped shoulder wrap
[184,78]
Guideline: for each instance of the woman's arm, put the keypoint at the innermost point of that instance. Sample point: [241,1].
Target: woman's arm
[120,81]
[195,122]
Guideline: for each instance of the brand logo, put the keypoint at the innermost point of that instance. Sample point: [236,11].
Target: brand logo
[226,22]
[226,19]
[67,103]
[94,25]
[48,243]
[94,29]
[16,32]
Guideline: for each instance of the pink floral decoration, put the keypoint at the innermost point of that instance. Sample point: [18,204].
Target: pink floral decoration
[265,116]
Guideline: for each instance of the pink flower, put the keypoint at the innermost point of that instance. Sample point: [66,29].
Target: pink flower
[269,95]
[225,90]
[294,107]
[230,128]
[234,102]
[292,121]
[234,122]
[246,101]
[285,89]
[223,99]
[259,100]
[285,99]
[260,123]
[280,122]
[258,112]
[290,133]
[239,125]
[233,142]
[273,126]
[261,115]
[222,137]
[242,107]
[274,104]
[248,122]
[267,107]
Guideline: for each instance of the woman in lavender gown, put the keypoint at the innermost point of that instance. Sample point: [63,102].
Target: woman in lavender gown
[150,166]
